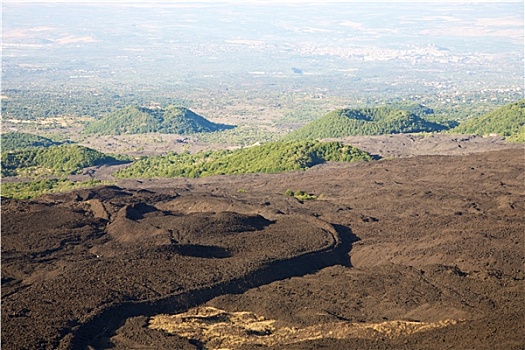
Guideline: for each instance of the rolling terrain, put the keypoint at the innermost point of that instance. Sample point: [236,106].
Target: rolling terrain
[367,121]
[272,157]
[18,140]
[141,120]
[422,252]
[507,121]
[54,160]
[360,183]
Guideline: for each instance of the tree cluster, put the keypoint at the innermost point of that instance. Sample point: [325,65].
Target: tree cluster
[55,160]
[507,121]
[140,120]
[31,189]
[365,121]
[19,140]
[273,157]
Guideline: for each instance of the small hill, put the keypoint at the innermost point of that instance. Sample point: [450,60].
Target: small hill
[507,121]
[20,140]
[271,157]
[55,160]
[366,121]
[140,120]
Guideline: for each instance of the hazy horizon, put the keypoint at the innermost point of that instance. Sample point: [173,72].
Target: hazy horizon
[196,50]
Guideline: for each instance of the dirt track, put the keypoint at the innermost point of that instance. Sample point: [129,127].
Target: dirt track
[418,253]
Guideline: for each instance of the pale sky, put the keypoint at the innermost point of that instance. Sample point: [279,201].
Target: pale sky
[253,1]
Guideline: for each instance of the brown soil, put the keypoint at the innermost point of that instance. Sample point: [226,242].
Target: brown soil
[138,145]
[424,252]
[409,145]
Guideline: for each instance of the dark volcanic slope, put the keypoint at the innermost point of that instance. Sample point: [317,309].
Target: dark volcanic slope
[75,266]
[437,260]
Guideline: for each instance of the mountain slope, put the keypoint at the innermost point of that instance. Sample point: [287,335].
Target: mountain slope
[507,121]
[20,140]
[366,121]
[56,160]
[271,157]
[140,120]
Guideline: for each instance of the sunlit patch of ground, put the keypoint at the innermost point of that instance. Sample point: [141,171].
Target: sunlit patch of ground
[219,329]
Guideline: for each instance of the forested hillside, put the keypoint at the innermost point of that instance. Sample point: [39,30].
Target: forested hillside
[414,108]
[21,140]
[55,160]
[366,121]
[272,157]
[27,190]
[139,120]
[507,121]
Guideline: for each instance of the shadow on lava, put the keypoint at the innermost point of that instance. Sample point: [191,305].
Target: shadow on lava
[202,251]
[347,239]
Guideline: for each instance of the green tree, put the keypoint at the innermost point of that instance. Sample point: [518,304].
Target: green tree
[271,157]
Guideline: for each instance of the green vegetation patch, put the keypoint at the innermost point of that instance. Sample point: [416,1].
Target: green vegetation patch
[366,121]
[141,120]
[20,140]
[27,190]
[300,195]
[507,121]
[55,160]
[414,108]
[271,157]
[518,136]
